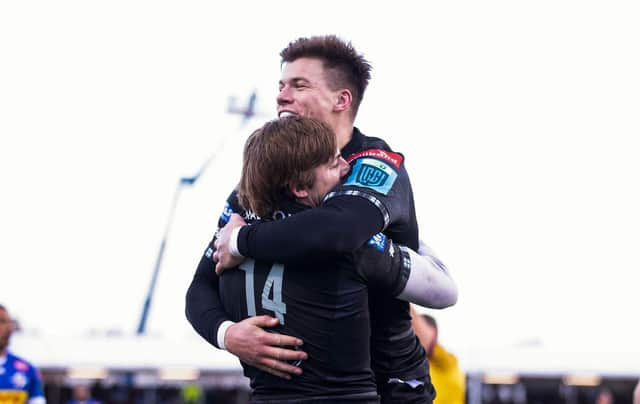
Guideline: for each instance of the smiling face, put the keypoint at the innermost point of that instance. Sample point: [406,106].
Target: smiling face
[304,91]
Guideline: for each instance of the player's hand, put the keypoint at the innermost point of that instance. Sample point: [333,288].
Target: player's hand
[264,350]
[223,257]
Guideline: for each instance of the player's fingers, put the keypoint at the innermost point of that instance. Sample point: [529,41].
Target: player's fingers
[284,367]
[283,340]
[264,321]
[281,354]
[280,366]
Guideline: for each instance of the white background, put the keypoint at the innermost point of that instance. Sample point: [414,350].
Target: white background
[518,121]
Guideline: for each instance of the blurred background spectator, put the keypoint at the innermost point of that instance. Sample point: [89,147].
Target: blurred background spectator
[82,395]
[447,377]
[604,396]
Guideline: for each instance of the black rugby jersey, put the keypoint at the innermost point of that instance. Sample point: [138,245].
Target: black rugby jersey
[347,218]
[371,200]
[323,301]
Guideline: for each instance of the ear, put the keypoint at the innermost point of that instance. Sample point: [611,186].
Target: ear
[298,191]
[344,100]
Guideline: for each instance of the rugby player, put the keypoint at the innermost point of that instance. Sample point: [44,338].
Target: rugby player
[290,165]
[325,78]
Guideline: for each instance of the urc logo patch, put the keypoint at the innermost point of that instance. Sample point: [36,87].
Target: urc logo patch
[373,174]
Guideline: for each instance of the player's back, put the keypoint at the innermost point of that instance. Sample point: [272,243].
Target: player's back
[324,304]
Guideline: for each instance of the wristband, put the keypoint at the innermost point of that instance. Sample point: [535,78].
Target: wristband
[222,330]
[233,242]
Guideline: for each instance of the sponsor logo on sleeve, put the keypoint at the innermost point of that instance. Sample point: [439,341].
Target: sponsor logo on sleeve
[378,241]
[209,252]
[395,159]
[226,212]
[373,174]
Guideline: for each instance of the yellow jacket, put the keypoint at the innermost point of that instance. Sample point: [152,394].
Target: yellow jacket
[446,376]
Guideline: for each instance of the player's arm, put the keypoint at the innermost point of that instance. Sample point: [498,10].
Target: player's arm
[418,278]
[203,306]
[349,216]
[245,339]
[429,283]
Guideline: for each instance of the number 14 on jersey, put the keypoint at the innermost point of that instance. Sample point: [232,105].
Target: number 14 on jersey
[272,287]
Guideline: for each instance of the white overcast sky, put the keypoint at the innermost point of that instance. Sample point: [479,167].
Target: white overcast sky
[519,122]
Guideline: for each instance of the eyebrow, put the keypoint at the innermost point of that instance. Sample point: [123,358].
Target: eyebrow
[294,80]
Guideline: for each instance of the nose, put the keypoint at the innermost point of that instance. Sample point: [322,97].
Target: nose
[344,167]
[284,96]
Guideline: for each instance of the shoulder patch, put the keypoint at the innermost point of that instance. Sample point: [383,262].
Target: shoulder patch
[389,157]
[373,174]
[378,241]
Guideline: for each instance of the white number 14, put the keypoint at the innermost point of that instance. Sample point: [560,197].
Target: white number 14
[274,281]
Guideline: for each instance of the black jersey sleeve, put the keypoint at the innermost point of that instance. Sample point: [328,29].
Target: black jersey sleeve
[384,265]
[203,306]
[340,225]
[380,177]
[375,197]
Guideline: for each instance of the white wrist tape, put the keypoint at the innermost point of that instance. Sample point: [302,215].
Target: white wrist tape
[222,330]
[233,242]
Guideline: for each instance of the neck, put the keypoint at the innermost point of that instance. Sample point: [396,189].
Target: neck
[344,132]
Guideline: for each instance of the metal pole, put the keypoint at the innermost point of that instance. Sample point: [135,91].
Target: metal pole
[184,181]
[147,303]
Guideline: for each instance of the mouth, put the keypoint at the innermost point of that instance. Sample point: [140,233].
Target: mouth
[283,114]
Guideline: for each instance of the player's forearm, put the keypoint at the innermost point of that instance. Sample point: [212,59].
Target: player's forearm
[203,305]
[338,226]
[429,283]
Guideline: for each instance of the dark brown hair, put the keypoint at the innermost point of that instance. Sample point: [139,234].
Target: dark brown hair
[282,153]
[343,66]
